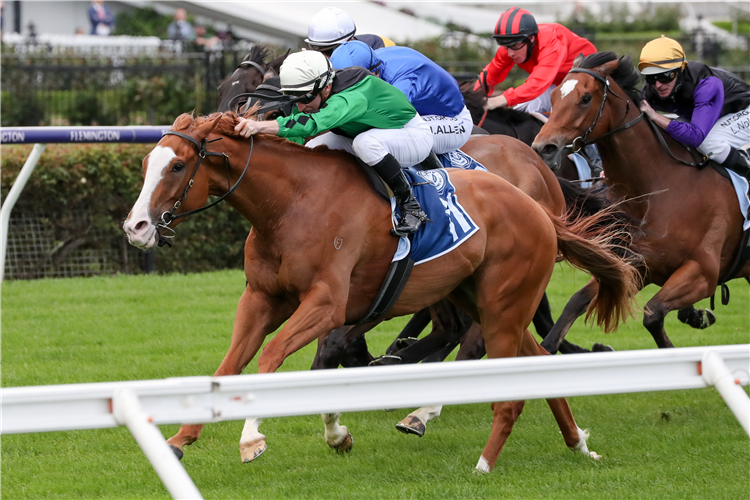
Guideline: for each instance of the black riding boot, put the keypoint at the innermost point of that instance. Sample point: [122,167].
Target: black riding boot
[432,162]
[412,215]
[739,161]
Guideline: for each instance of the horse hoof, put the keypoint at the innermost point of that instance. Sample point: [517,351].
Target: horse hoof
[386,360]
[178,452]
[412,425]
[252,450]
[602,348]
[344,446]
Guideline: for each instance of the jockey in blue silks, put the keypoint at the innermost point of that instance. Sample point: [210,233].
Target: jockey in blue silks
[432,91]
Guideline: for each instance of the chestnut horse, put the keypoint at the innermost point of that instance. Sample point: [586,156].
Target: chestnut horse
[690,224]
[320,247]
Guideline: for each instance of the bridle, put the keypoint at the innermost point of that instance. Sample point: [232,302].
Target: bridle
[580,142]
[169,216]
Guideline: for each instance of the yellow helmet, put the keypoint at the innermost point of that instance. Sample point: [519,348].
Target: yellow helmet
[661,55]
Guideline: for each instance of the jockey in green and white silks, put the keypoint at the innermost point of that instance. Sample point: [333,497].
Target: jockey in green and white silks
[359,113]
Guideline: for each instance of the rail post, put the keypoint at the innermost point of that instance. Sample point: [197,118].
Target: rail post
[716,373]
[126,409]
[10,201]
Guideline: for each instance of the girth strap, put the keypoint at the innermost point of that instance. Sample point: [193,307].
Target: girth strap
[393,285]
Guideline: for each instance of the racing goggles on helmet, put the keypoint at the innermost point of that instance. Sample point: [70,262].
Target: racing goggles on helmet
[514,42]
[661,77]
[513,45]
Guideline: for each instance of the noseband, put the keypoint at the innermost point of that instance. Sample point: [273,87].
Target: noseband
[580,142]
[169,216]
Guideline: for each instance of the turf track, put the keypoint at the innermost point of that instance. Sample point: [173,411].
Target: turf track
[682,444]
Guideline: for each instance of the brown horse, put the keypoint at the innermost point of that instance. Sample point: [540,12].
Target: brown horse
[689,221]
[521,166]
[320,246]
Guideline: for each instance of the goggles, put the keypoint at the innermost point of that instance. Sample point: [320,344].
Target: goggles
[301,96]
[661,77]
[516,46]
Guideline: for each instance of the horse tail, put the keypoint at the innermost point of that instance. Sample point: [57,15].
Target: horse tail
[600,247]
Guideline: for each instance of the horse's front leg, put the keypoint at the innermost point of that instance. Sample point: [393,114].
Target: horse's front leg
[257,316]
[322,309]
[576,306]
[684,288]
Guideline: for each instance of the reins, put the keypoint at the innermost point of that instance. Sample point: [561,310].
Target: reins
[169,216]
[580,142]
[665,147]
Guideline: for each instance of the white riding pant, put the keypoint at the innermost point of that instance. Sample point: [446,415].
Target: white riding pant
[450,133]
[729,131]
[409,145]
[541,104]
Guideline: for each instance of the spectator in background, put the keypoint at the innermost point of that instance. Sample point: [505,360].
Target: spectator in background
[101,17]
[79,31]
[202,40]
[180,28]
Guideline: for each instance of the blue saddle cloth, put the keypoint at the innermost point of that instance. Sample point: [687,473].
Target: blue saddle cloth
[459,159]
[450,225]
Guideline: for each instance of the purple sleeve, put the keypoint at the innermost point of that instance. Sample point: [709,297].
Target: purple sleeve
[709,99]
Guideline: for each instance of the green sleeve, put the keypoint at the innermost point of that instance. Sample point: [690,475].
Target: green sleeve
[339,109]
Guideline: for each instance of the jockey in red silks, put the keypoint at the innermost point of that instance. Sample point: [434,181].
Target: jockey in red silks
[545,51]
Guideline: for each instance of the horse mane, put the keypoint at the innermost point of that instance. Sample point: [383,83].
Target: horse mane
[257,54]
[225,126]
[625,74]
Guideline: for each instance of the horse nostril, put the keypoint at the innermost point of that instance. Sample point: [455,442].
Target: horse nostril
[141,225]
[548,150]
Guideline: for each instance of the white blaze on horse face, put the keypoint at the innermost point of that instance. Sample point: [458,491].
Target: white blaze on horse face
[158,161]
[567,87]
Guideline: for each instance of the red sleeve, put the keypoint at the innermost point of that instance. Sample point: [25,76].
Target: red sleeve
[497,70]
[550,58]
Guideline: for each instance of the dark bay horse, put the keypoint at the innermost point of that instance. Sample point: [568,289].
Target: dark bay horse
[312,282]
[247,76]
[689,220]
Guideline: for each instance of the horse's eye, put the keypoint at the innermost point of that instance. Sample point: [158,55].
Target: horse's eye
[586,99]
[178,167]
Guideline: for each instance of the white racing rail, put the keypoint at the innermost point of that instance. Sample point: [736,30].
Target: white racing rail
[140,405]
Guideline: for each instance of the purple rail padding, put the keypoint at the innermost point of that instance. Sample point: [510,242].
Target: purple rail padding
[62,135]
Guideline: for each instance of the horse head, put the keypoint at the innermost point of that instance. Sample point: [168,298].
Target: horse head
[173,183]
[251,72]
[581,111]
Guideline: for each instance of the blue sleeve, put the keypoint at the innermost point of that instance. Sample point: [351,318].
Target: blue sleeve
[409,86]
[709,99]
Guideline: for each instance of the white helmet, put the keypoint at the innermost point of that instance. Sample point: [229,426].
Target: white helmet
[306,71]
[330,27]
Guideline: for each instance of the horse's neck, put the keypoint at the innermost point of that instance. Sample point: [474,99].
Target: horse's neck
[269,187]
[634,162]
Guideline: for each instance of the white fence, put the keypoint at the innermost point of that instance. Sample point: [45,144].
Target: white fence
[142,404]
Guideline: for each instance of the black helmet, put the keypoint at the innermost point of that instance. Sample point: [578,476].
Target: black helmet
[514,26]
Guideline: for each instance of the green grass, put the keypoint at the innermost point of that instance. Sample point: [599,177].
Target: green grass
[680,444]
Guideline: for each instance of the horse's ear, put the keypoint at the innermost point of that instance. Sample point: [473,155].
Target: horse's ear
[606,69]
[578,60]
[270,74]
[276,63]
